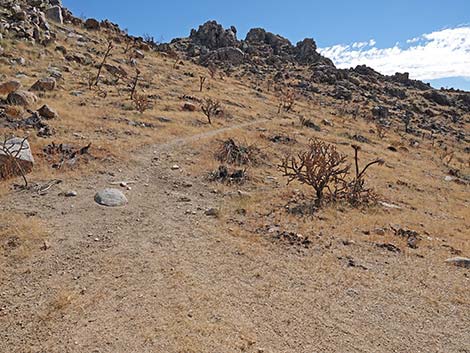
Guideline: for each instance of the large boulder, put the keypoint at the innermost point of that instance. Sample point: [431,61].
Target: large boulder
[464,100]
[227,55]
[47,113]
[54,13]
[44,84]
[15,158]
[92,24]
[257,36]
[404,79]
[9,86]
[459,261]
[342,92]
[110,198]
[380,112]
[437,97]
[307,51]
[22,98]
[365,70]
[213,36]
[116,70]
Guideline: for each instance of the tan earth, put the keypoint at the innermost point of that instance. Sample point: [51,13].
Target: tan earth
[191,265]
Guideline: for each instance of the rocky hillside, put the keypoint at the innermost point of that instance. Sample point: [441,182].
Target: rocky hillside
[266,56]
[213,194]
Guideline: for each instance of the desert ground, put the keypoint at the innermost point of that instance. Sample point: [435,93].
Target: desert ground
[191,264]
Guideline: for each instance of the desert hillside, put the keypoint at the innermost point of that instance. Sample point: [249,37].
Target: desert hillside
[218,194]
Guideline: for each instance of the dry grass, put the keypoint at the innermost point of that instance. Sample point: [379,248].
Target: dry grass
[20,236]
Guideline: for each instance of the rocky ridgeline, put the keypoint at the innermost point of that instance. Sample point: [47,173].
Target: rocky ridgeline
[263,56]
[31,20]
[267,56]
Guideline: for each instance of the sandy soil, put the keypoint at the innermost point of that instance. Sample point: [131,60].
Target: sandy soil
[158,275]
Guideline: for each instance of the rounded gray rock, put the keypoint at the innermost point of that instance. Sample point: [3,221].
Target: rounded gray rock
[110,198]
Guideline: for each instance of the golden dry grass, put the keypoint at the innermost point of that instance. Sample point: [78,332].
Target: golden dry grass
[411,177]
[20,236]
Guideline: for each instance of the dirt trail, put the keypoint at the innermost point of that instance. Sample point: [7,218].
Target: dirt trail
[160,276]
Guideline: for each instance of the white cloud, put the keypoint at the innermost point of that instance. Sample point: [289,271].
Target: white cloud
[435,55]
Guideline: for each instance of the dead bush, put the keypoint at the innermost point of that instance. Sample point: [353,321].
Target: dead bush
[381,130]
[212,70]
[324,169]
[356,193]
[134,82]
[287,99]
[225,175]
[321,167]
[103,62]
[202,79]
[60,155]
[11,165]
[141,102]
[210,107]
[233,153]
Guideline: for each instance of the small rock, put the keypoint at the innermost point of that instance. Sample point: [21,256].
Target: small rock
[449,178]
[70,193]
[242,193]
[9,87]
[19,61]
[175,167]
[189,107]
[212,212]
[44,84]
[138,54]
[389,247]
[46,112]
[110,198]
[327,122]
[459,262]
[45,245]
[379,231]
[164,119]
[23,98]
[389,205]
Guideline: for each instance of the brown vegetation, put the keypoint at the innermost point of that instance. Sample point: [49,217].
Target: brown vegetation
[210,107]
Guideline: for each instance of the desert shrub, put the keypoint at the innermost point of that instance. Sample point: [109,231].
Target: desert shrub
[202,79]
[381,130]
[210,107]
[232,152]
[287,99]
[321,167]
[356,193]
[326,170]
[106,55]
[141,102]
[212,70]
[229,176]
[306,122]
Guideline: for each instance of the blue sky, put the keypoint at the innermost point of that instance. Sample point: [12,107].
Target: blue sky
[330,23]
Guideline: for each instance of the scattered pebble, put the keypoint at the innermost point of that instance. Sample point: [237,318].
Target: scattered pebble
[459,262]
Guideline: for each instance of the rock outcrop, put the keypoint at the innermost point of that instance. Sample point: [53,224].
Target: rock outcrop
[22,98]
[15,158]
